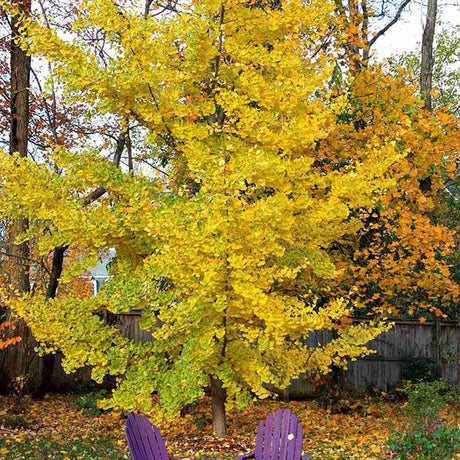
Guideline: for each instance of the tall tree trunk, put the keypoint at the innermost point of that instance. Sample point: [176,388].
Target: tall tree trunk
[365,32]
[219,396]
[16,358]
[19,132]
[427,63]
[20,80]
[48,361]
[426,86]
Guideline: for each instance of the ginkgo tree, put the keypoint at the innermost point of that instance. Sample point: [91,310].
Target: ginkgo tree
[218,250]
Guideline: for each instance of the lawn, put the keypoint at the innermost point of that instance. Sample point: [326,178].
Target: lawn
[69,427]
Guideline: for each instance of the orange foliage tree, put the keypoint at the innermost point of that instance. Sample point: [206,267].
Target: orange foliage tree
[398,262]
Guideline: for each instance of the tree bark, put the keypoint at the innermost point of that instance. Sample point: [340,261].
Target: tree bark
[219,396]
[427,62]
[17,358]
[56,271]
[48,361]
[365,29]
[19,132]
[20,80]
[426,86]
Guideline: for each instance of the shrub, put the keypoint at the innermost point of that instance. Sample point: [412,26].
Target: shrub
[425,402]
[441,444]
[88,403]
[418,370]
[426,437]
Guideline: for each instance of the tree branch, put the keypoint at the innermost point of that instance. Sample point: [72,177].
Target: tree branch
[28,259]
[148,4]
[56,271]
[390,24]
[96,194]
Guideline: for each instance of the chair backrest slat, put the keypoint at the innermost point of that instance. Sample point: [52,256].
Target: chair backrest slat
[298,442]
[284,434]
[276,434]
[260,441]
[144,431]
[145,441]
[148,438]
[132,442]
[133,434]
[290,442]
[268,436]
[163,453]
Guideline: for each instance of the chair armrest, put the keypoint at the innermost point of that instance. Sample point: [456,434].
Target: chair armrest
[246,456]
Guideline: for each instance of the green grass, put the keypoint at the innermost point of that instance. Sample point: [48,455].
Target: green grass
[47,448]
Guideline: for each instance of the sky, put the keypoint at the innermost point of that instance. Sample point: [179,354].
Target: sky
[406,34]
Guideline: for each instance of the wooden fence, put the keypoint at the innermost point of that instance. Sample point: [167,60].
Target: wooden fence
[408,342]
[408,345]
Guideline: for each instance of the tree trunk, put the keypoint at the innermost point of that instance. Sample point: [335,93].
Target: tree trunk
[18,260]
[427,63]
[56,271]
[17,358]
[20,80]
[426,85]
[365,34]
[219,396]
[19,131]
[48,361]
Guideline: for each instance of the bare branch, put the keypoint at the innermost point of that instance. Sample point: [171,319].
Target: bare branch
[390,24]
[28,259]
[148,4]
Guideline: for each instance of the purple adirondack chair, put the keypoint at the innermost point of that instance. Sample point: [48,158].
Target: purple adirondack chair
[144,440]
[279,438]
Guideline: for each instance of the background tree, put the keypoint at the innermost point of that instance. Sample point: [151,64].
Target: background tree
[401,261]
[52,121]
[365,22]
[446,72]
[18,269]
